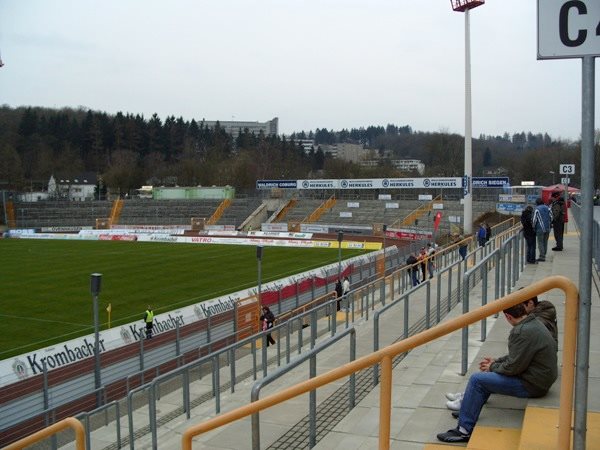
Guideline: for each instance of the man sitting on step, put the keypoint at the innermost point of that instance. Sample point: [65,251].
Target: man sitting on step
[529,369]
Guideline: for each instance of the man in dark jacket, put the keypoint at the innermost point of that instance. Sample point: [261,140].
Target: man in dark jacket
[529,370]
[558,219]
[545,312]
[529,233]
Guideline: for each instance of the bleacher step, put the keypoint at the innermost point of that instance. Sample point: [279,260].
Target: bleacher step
[540,432]
[486,438]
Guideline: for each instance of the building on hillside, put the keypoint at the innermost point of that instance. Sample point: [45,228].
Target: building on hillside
[233,127]
[306,144]
[77,188]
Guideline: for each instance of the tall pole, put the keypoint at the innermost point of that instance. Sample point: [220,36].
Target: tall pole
[259,252]
[340,239]
[585,254]
[95,282]
[468,195]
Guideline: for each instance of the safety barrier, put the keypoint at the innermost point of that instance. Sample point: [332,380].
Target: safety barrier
[384,358]
[69,422]
[309,356]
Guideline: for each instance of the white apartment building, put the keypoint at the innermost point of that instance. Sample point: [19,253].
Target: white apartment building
[233,127]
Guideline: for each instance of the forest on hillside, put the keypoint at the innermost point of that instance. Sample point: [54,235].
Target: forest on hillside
[127,151]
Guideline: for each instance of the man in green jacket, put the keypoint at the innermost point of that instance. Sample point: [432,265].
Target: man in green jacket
[529,370]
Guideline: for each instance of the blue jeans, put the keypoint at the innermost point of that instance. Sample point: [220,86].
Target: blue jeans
[542,242]
[414,274]
[479,388]
[530,239]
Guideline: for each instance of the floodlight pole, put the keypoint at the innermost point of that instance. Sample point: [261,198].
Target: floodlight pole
[384,260]
[259,253]
[95,282]
[465,6]
[340,238]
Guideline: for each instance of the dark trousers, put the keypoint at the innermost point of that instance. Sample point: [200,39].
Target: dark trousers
[559,230]
[530,241]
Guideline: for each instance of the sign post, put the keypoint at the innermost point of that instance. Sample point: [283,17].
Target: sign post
[571,29]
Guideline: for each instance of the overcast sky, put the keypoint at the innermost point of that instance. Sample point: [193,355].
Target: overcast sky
[313,63]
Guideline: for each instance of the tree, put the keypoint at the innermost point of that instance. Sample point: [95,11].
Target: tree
[11,171]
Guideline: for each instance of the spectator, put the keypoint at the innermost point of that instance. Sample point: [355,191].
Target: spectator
[463,247]
[413,269]
[430,259]
[481,234]
[339,290]
[557,207]
[542,220]
[529,370]
[422,260]
[488,232]
[267,319]
[529,233]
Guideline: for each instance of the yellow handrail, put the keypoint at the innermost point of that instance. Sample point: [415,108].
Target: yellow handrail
[317,213]
[219,212]
[69,422]
[385,356]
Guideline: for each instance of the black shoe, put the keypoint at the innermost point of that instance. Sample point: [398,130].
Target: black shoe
[556,249]
[455,414]
[453,435]
[541,260]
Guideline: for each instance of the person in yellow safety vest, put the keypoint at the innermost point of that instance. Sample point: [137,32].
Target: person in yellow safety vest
[149,320]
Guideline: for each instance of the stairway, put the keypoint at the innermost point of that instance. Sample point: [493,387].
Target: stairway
[537,433]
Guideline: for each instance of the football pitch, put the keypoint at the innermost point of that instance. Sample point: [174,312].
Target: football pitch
[45,284]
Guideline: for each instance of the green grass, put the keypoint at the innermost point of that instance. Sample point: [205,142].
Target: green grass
[45,285]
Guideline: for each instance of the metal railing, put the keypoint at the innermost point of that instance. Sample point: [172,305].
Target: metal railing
[69,422]
[359,303]
[384,358]
[309,356]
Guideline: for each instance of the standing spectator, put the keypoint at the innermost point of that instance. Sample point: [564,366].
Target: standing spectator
[488,233]
[430,259]
[558,219]
[422,260]
[149,321]
[345,292]
[529,233]
[463,247]
[413,269]
[528,371]
[542,220]
[267,320]
[481,234]
[339,291]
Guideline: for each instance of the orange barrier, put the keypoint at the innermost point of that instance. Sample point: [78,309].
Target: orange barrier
[69,422]
[385,356]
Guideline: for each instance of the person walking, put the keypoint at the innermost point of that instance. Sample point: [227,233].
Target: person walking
[557,207]
[149,321]
[529,233]
[528,371]
[267,319]
[542,221]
